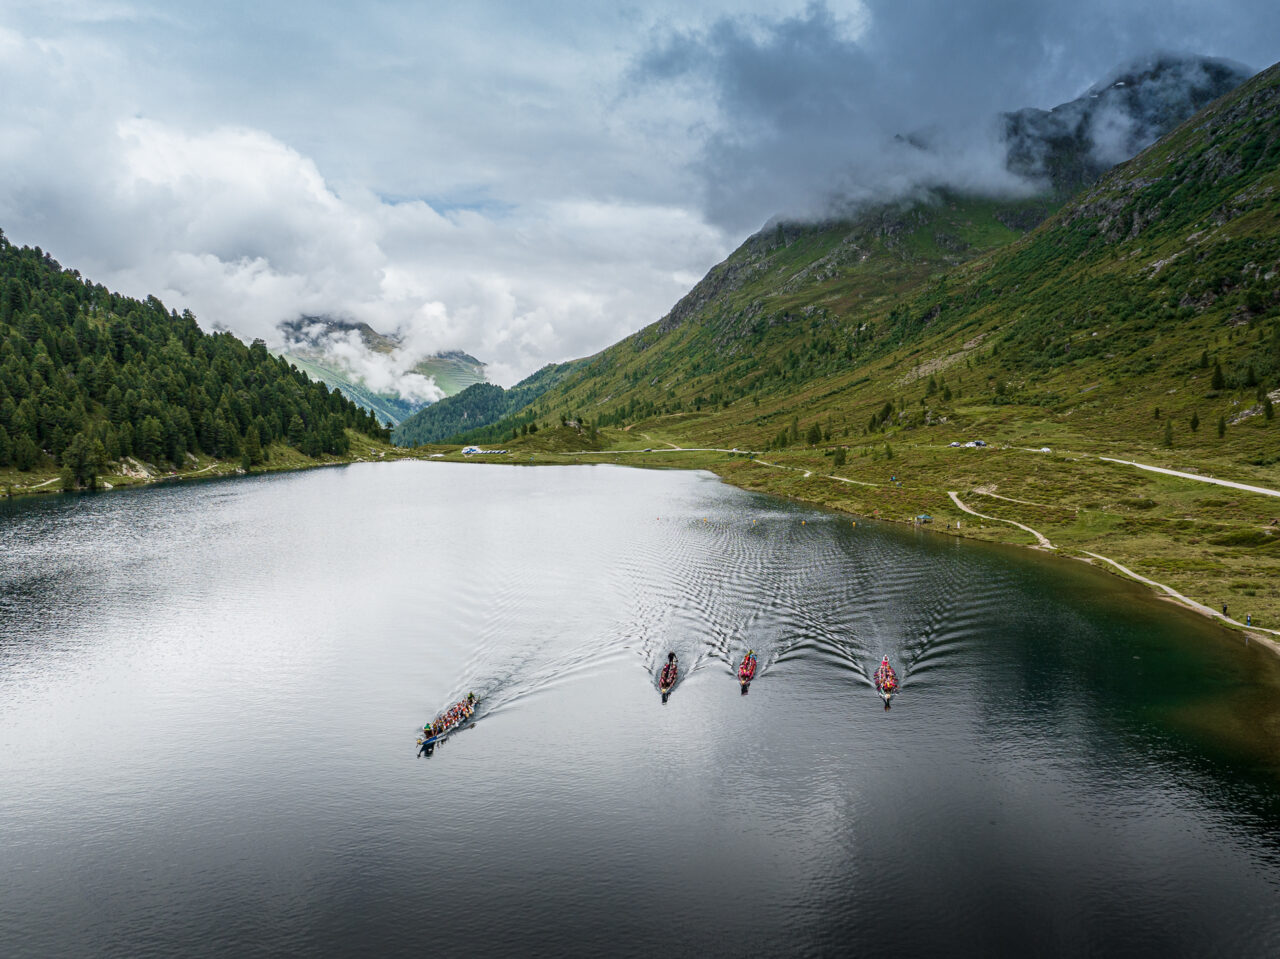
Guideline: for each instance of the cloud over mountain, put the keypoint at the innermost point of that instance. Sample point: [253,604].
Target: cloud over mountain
[816,109]
[526,184]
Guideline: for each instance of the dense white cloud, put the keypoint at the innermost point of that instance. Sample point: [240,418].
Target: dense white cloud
[247,232]
[525,184]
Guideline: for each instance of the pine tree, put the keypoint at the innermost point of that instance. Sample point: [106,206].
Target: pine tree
[82,462]
[1168,433]
[1222,426]
[1218,381]
[253,446]
[25,453]
[149,439]
[1195,421]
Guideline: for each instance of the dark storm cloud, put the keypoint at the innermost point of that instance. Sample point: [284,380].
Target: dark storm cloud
[810,110]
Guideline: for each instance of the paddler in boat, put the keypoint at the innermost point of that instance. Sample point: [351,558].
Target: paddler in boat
[668,670]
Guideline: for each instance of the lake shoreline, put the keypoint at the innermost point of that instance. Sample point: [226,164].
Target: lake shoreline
[733,476]
[1041,545]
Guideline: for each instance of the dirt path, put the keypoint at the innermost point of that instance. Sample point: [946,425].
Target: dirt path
[986,491]
[672,448]
[842,479]
[1195,476]
[1187,601]
[650,439]
[808,473]
[779,466]
[1040,537]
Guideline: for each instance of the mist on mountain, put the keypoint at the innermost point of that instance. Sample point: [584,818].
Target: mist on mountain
[816,115]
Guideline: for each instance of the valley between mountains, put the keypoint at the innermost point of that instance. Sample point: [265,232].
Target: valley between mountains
[985,367]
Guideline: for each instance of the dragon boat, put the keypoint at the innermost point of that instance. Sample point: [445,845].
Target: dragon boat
[886,681]
[667,678]
[452,719]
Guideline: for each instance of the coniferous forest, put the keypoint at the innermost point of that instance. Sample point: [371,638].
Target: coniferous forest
[89,377]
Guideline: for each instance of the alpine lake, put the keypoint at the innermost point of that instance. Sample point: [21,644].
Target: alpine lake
[210,696]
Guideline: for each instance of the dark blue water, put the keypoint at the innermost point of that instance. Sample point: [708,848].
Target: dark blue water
[209,697]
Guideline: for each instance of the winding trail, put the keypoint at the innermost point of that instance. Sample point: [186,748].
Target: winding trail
[1198,607]
[855,482]
[987,491]
[1041,539]
[808,473]
[1195,476]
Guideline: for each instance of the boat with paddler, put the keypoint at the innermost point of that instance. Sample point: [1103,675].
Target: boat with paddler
[886,681]
[460,714]
[747,670]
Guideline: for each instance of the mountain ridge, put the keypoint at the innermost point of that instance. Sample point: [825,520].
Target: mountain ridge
[791,272]
[323,347]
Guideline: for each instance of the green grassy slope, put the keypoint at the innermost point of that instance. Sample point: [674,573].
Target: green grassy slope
[470,411]
[1142,285]
[794,297]
[755,306]
[452,370]
[1141,321]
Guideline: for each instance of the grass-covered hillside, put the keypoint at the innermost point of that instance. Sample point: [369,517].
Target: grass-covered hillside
[1140,321]
[472,410]
[1161,280]
[94,383]
[791,293]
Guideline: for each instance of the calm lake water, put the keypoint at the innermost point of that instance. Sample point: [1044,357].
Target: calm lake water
[209,696]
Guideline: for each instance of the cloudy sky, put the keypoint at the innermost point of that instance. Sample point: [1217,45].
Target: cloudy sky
[528,182]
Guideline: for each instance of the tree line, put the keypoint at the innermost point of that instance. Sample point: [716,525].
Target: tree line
[89,377]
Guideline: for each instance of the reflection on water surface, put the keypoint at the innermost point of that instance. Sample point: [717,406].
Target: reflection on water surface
[209,697]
